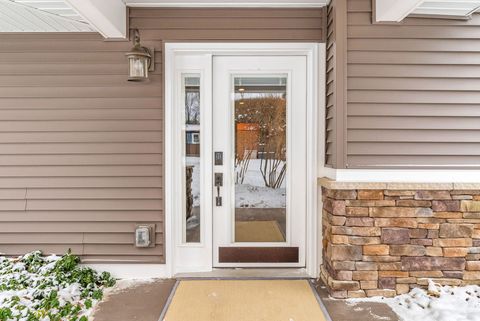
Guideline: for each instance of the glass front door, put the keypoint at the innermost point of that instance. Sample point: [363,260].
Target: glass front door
[260,158]
[259,143]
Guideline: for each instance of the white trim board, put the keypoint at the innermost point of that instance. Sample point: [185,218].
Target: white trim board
[228,3]
[403,175]
[108,17]
[394,10]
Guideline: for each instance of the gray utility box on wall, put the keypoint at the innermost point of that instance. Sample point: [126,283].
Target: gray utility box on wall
[145,235]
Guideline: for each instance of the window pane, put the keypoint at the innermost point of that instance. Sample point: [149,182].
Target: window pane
[192,158]
[260,159]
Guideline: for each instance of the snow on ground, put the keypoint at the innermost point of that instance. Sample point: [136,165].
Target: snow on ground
[126,284]
[259,197]
[438,303]
[252,193]
[254,176]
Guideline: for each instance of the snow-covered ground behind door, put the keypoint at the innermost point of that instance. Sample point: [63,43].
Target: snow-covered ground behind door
[439,303]
[252,193]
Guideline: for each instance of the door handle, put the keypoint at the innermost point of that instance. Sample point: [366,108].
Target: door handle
[218,183]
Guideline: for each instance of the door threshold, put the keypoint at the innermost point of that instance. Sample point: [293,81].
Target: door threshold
[248,273]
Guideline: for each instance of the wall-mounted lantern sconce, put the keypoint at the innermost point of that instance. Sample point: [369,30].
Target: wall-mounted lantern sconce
[140,60]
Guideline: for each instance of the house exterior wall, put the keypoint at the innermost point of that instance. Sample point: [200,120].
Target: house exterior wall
[229,24]
[81,149]
[330,91]
[404,96]
[335,84]
[411,91]
[386,239]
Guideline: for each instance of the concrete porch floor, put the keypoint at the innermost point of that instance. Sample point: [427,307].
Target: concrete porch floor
[339,310]
[142,302]
[146,301]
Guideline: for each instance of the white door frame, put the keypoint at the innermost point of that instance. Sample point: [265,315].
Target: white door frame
[315,53]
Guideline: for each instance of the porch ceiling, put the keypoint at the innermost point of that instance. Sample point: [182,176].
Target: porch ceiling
[447,8]
[108,17]
[396,11]
[57,7]
[40,16]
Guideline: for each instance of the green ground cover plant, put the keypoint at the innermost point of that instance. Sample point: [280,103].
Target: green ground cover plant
[34,287]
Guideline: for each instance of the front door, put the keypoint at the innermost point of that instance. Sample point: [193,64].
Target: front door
[259,119]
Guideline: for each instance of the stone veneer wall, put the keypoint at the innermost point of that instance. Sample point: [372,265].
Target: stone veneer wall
[385,242]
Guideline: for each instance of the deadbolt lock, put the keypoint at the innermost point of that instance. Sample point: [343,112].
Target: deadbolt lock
[218,179]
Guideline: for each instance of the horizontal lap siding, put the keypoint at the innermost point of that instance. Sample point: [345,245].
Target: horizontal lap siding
[216,24]
[413,91]
[330,135]
[81,149]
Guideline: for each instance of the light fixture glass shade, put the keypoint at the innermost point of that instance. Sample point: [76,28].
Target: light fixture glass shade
[139,61]
[138,68]
[138,64]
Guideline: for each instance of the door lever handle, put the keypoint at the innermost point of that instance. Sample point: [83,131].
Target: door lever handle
[218,183]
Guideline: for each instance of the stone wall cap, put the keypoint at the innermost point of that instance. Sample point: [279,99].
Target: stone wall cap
[333,184]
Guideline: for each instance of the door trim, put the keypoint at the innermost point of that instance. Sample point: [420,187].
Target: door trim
[315,53]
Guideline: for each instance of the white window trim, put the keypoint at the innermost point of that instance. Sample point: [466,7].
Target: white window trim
[315,53]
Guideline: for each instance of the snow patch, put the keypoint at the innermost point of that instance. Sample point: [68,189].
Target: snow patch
[437,303]
[248,196]
[123,285]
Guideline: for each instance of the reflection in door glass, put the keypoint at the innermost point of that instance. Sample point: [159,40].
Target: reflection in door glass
[192,158]
[260,159]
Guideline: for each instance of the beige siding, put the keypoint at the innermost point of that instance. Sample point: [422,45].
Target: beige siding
[335,84]
[81,149]
[330,157]
[413,92]
[259,24]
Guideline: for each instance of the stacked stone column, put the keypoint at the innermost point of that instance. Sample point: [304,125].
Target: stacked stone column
[386,242]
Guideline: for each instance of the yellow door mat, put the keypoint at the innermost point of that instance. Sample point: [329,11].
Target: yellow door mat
[244,300]
[258,231]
